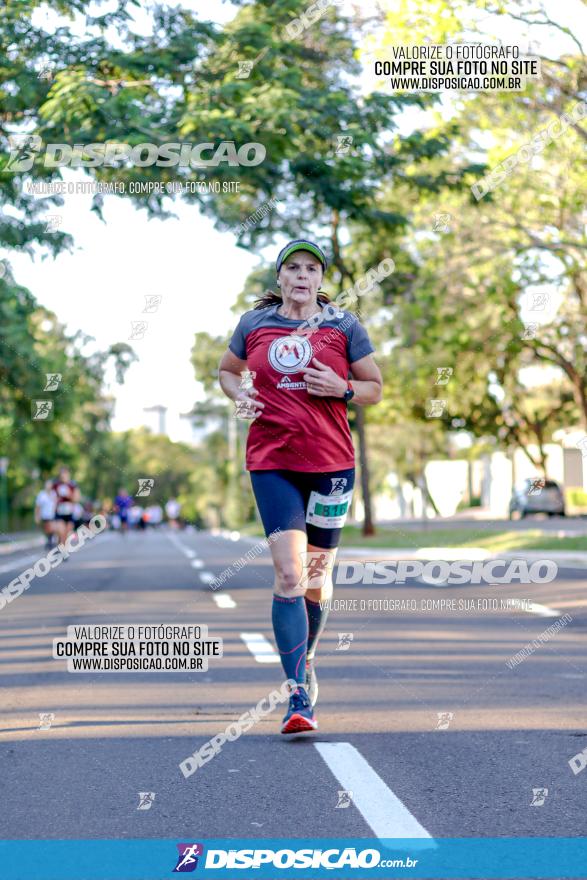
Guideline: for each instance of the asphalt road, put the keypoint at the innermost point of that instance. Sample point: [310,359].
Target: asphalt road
[410,769]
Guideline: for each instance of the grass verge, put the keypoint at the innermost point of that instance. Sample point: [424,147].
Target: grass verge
[494,541]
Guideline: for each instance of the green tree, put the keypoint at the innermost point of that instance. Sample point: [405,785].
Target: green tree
[182,82]
[33,346]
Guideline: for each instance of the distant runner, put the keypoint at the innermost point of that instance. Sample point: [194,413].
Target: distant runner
[154,515]
[122,505]
[78,515]
[45,512]
[172,510]
[295,388]
[68,495]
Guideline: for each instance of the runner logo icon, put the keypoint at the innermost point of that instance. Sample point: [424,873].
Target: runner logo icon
[290,354]
[187,859]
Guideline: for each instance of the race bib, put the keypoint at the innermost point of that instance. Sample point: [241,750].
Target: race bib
[65,507]
[328,511]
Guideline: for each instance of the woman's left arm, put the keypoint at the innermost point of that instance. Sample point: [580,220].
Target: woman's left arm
[366,381]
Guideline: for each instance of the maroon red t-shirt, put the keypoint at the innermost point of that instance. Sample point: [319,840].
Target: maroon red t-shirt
[65,494]
[298,431]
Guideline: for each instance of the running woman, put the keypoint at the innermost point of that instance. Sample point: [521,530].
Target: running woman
[68,495]
[295,388]
[45,511]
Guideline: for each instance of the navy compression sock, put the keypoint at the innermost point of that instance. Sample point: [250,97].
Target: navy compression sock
[290,625]
[316,622]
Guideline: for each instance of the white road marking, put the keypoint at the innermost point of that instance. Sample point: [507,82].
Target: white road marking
[261,649]
[177,543]
[205,576]
[387,816]
[223,600]
[542,610]
[15,546]
[20,563]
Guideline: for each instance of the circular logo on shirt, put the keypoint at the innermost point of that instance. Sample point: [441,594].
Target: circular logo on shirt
[290,354]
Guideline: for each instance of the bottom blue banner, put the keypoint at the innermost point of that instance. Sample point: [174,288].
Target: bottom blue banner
[282,859]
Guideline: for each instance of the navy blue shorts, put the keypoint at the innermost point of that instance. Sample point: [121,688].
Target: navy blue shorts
[315,503]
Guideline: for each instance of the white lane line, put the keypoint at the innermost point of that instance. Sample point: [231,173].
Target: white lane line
[177,543]
[380,808]
[206,576]
[223,600]
[20,563]
[260,648]
[15,546]
[542,610]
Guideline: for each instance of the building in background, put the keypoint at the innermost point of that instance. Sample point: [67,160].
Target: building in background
[490,478]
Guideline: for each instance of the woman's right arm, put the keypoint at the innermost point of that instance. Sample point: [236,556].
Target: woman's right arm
[229,376]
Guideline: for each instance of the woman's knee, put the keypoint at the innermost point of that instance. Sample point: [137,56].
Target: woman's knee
[288,579]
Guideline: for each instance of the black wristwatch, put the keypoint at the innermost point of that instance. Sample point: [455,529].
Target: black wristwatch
[349,394]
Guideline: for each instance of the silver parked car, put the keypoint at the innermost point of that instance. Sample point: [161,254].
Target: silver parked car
[537,495]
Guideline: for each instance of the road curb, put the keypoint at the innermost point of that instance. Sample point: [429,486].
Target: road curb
[14,546]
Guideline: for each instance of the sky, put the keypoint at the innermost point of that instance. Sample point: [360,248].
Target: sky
[101,289]
[101,286]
